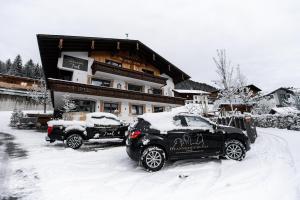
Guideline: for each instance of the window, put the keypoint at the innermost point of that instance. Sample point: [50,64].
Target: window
[155,91]
[111,107]
[137,109]
[119,86]
[197,122]
[157,109]
[99,82]
[85,105]
[23,84]
[114,63]
[135,88]
[65,75]
[148,71]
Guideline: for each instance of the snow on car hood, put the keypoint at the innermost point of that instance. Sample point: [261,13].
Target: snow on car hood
[66,123]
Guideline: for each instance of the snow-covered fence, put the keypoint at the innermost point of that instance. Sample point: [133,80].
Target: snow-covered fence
[289,121]
[243,122]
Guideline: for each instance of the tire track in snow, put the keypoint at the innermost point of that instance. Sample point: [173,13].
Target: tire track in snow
[266,158]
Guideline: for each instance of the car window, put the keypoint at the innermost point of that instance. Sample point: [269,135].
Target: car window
[141,125]
[193,121]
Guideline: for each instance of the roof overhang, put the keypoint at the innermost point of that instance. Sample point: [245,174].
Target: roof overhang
[51,46]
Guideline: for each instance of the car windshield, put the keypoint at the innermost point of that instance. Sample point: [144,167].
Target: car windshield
[198,122]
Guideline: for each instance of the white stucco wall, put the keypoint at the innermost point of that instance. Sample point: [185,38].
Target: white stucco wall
[168,89]
[79,76]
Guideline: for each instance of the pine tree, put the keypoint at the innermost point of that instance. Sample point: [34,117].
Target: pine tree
[16,68]
[2,67]
[29,68]
[8,66]
[37,72]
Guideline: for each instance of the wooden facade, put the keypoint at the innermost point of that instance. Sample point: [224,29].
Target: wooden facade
[17,82]
[132,62]
[71,87]
[121,71]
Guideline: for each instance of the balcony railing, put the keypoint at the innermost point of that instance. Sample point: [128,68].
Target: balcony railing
[78,88]
[107,68]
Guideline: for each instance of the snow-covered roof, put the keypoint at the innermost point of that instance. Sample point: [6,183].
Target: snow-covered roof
[295,90]
[286,110]
[191,91]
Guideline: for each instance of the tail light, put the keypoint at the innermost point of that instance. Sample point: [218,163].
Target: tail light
[135,134]
[50,129]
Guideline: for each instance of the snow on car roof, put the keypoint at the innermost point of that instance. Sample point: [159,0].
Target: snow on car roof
[102,118]
[163,121]
[102,114]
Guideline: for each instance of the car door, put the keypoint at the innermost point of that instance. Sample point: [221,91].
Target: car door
[179,139]
[204,137]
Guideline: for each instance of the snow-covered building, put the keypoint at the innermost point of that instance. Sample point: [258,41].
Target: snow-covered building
[285,97]
[15,93]
[119,76]
[238,103]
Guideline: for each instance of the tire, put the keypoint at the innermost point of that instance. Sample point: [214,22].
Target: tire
[235,150]
[74,141]
[153,158]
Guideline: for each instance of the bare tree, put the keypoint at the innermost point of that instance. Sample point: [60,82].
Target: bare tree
[227,81]
[39,93]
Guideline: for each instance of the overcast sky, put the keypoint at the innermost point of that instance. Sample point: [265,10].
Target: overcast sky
[262,36]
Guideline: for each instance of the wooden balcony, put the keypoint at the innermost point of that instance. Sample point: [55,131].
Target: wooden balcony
[78,88]
[107,68]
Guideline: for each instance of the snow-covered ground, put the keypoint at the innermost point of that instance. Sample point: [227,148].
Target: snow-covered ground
[104,171]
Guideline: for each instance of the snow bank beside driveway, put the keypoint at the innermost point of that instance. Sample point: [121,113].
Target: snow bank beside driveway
[269,172]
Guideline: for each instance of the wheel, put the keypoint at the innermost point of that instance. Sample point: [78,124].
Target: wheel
[153,158]
[74,141]
[235,150]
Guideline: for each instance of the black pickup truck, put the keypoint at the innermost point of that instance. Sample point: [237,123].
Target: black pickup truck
[97,125]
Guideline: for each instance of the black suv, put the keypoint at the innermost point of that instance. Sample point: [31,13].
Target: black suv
[153,140]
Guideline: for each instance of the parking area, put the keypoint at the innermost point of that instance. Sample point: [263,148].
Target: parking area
[102,168]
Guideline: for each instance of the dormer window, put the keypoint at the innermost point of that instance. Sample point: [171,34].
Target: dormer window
[114,63]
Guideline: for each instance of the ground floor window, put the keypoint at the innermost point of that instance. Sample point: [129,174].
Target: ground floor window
[84,105]
[157,109]
[137,109]
[111,107]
